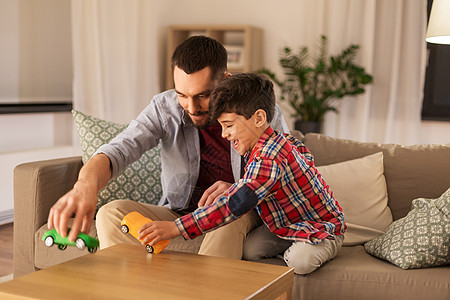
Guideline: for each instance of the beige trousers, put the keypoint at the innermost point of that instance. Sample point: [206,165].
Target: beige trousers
[226,241]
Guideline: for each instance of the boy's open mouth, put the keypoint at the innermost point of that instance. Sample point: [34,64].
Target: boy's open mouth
[235,144]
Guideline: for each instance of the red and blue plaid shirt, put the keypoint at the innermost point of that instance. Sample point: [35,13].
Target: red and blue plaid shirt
[286,189]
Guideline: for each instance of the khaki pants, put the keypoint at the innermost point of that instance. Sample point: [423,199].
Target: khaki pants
[226,241]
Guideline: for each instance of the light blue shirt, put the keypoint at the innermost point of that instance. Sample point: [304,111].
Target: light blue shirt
[163,121]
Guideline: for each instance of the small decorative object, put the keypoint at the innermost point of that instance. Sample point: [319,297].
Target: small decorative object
[235,56]
[313,84]
[131,224]
[51,237]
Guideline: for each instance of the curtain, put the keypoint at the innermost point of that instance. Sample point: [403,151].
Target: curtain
[392,49]
[115,58]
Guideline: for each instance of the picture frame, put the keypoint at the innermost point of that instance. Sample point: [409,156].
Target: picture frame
[235,56]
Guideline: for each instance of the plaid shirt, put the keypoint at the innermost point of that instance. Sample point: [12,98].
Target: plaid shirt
[283,184]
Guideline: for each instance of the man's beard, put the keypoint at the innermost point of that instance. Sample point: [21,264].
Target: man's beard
[203,125]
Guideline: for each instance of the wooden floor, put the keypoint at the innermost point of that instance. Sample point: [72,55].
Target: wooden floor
[6,249]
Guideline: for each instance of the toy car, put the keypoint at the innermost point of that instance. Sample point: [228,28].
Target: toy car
[132,222]
[51,237]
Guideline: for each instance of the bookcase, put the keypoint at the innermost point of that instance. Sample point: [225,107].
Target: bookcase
[243,44]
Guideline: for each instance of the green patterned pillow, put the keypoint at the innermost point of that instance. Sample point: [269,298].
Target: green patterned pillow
[419,240]
[140,181]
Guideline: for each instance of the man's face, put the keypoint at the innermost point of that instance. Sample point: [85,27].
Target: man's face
[193,94]
[243,133]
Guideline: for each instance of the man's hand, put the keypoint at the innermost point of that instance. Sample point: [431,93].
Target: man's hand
[81,201]
[212,194]
[158,231]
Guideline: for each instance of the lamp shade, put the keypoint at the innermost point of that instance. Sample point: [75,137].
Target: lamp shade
[438,31]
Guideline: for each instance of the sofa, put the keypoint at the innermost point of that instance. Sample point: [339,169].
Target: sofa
[406,173]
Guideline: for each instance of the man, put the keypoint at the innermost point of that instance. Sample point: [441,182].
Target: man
[198,165]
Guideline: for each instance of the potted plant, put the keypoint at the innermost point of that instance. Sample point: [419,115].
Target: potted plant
[312,85]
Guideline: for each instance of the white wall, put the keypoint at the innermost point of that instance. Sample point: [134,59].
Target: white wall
[35,52]
[35,66]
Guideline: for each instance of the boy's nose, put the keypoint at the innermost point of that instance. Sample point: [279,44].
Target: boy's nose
[224,133]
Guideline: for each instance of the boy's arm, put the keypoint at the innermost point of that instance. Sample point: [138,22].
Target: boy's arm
[243,196]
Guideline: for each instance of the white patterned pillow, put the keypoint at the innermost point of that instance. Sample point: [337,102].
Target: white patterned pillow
[140,181]
[419,240]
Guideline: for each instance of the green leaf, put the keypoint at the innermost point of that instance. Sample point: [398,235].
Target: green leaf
[309,82]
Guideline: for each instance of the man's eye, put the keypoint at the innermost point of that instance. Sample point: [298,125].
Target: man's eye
[202,96]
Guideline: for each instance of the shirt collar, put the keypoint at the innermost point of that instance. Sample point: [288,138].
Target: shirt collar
[262,140]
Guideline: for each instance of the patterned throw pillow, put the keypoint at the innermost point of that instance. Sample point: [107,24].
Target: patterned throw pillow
[419,240]
[140,181]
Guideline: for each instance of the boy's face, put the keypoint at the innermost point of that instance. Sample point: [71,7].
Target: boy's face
[243,133]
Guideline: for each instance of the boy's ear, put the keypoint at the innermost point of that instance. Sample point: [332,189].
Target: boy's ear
[260,118]
[226,74]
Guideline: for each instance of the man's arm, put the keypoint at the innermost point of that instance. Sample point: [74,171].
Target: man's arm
[81,200]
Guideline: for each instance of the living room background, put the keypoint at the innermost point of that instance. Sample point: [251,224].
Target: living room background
[118,54]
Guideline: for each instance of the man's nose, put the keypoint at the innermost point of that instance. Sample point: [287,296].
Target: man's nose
[192,106]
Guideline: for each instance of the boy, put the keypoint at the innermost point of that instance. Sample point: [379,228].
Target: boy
[301,217]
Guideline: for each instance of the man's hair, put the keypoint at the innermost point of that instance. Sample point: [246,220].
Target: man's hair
[243,94]
[198,52]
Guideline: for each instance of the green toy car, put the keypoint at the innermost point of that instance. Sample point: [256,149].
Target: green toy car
[51,237]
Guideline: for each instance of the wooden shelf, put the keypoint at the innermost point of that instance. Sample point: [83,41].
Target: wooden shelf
[243,43]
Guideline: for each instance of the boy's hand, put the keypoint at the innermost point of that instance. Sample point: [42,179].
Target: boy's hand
[214,192]
[158,231]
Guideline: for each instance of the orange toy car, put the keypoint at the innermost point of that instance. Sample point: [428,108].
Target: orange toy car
[132,222]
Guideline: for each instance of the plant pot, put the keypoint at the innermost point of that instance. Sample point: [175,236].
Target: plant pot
[308,126]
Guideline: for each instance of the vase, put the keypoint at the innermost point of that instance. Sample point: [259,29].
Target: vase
[308,126]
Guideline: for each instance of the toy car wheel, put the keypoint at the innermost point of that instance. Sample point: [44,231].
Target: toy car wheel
[92,250]
[49,241]
[62,247]
[80,243]
[125,229]
[149,248]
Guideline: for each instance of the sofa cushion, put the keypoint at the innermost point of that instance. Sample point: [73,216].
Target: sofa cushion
[419,240]
[411,171]
[140,181]
[354,274]
[360,188]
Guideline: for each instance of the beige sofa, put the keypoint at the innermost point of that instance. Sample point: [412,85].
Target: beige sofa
[410,172]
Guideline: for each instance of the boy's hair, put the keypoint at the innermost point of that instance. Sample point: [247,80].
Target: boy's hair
[243,94]
[198,52]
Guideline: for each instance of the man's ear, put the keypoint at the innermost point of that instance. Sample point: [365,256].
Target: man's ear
[260,118]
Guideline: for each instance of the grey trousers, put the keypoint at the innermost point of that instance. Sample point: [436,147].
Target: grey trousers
[302,256]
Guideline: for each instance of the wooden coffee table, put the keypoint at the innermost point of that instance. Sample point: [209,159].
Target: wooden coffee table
[129,272]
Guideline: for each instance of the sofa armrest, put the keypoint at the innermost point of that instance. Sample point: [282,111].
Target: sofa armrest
[37,186]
